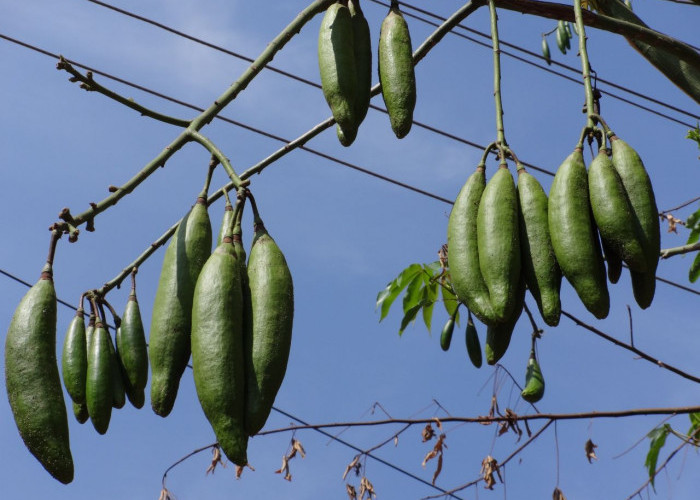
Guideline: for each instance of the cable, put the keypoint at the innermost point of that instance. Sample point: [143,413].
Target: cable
[566,77]
[310,150]
[286,414]
[538,56]
[380,460]
[305,148]
[316,85]
[256,130]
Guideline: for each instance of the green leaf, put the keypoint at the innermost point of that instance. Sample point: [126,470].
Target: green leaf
[430,296]
[409,316]
[694,419]
[694,272]
[449,300]
[433,267]
[414,293]
[386,297]
[658,440]
[694,236]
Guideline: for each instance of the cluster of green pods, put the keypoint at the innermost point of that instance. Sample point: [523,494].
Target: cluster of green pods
[345,64]
[242,316]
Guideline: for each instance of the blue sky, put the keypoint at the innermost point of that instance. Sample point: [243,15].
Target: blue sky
[345,235]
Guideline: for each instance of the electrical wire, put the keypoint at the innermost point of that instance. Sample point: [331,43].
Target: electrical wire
[562,75]
[487,45]
[305,148]
[542,58]
[288,415]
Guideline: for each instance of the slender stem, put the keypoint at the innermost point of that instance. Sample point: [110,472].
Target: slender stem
[682,205]
[47,271]
[218,154]
[207,181]
[90,85]
[501,136]
[585,65]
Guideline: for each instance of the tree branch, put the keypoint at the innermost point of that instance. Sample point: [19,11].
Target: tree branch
[670,252]
[496,418]
[679,62]
[207,115]
[90,85]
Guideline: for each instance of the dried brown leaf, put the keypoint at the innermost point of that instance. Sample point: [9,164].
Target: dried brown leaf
[438,469]
[350,490]
[216,459]
[428,432]
[672,223]
[164,495]
[366,488]
[489,466]
[590,451]
[352,465]
[438,423]
[558,495]
[296,446]
[285,469]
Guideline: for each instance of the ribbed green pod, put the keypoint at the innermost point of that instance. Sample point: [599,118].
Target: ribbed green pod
[336,62]
[217,350]
[498,336]
[99,387]
[540,268]
[574,237]
[169,341]
[362,47]
[465,272]
[80,411]
[613,214]
[132,352]
[74,358]
[637,183]
[269,337]
[396,73]
[118,389]
[499,243]
[33,382]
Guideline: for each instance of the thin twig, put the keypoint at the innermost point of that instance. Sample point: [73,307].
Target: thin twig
[682,205]
[90,85]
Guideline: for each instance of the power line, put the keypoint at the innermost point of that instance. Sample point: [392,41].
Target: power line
[545,68]
[516,47]
[287,414]
[305,148]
